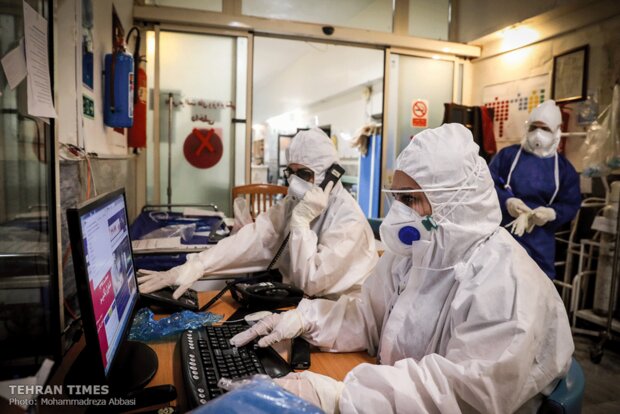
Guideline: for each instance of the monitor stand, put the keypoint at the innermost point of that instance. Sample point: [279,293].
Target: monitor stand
[134,367]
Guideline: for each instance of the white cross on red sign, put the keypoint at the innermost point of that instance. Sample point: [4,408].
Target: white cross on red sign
[419,113]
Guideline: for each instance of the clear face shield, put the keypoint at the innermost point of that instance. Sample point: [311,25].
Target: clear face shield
[414,198]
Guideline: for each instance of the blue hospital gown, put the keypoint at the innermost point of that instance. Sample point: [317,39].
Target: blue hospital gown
[533,182]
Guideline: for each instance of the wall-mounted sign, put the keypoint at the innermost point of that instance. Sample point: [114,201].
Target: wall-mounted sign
[203,147]
[419,113]
[88,107]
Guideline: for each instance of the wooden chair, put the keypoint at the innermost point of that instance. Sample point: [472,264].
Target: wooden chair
[259,196]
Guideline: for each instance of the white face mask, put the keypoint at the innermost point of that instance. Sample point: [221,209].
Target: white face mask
[541,143]
[403,230]
[297,187]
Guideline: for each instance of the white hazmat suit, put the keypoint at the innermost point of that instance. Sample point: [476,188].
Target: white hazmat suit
[467,325]
[331,248]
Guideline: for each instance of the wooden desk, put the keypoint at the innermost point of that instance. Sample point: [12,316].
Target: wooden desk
[330,364]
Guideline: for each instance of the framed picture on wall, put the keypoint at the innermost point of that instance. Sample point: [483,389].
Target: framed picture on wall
[570,75]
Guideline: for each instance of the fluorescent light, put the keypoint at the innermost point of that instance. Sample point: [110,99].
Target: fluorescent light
[517,37]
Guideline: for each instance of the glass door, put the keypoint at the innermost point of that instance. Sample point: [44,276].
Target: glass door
[198,97]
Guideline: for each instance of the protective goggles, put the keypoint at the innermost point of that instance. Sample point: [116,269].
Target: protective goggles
[534,127]
[412,197]
[305,174]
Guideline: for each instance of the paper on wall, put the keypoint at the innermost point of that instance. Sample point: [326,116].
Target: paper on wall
[40,102]
[14,65]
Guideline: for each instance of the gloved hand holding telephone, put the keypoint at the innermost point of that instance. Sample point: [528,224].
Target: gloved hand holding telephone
[315,200]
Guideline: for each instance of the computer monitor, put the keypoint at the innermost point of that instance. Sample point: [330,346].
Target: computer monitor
[108,291]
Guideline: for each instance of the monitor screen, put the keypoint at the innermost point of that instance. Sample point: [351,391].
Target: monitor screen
[112,283]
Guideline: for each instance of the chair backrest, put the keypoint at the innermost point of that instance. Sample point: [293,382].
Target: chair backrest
[568,394]
[259,196]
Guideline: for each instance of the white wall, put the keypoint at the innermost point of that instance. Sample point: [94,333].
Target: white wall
[476,18]
[94,135]
[604,67]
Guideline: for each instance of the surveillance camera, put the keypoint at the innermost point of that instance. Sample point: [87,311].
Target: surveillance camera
[328,30]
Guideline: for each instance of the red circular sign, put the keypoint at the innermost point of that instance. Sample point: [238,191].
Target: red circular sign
[203,147]
[419,109]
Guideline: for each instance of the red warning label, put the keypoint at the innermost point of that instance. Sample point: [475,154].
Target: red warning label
[419,113]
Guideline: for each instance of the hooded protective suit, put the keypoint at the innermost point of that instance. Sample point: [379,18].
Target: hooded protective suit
[536,174]
[469,325]
[327,256]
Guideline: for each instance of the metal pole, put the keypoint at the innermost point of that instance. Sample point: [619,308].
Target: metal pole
[614,277]
[169,190]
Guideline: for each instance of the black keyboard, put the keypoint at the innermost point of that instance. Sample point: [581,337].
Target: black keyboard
[207,356]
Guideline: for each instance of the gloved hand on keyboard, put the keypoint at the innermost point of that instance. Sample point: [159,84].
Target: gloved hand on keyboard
[311,206]
[182,276]
[272,328]
[320,390]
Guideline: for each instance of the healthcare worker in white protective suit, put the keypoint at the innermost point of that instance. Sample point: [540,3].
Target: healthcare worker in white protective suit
[331,249]
[460,317]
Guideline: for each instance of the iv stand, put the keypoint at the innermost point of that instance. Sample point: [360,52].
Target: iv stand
[169,190]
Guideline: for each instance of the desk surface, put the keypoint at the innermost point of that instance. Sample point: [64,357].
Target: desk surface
[330,364]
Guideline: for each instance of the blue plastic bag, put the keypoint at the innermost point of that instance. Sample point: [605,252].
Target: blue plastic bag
[146,329]
[259,395]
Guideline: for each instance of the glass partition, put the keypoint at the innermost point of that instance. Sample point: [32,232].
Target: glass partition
[362,14]
[429,19]
[29,313]
[299,85]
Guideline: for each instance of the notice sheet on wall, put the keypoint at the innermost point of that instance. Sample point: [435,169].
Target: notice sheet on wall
[512,103]
[40,102]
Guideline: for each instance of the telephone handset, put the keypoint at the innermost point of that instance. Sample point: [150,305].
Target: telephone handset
[333,174]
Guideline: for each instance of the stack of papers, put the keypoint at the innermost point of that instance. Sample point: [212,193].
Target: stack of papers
[165,245]
[198,212]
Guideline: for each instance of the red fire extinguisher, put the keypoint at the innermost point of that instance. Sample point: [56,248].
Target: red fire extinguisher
[136,135]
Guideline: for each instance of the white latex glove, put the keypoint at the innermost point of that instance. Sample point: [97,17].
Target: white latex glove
[311,206]
[182,276]
[272,328]
[521,224]
[317,389]
[516,207]
[542,215]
